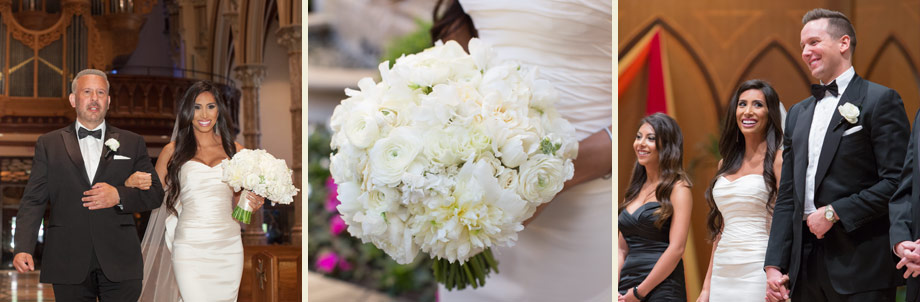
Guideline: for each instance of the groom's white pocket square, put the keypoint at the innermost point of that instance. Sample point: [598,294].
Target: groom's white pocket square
[117,157]
[852,130]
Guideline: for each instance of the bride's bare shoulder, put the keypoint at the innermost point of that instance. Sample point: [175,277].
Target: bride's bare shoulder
[238,146]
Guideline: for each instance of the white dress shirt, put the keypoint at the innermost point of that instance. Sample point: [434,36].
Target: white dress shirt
[91,149]
[821,119]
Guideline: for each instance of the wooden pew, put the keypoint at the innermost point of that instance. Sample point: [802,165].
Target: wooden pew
[280,273]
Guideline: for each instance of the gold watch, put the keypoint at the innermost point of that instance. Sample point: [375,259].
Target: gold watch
[829,214]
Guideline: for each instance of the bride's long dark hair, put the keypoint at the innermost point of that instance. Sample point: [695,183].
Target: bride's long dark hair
[731,148]
[185,144]
[670,145]
[453,19]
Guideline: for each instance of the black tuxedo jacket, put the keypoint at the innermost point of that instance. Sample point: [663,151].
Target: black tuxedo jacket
[856,174]
[73,232]
[904,208]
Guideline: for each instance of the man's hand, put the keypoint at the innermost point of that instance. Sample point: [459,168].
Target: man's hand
[909,251]
[776,285]
[139,180]
[101,196]
[23,262]
[817,224]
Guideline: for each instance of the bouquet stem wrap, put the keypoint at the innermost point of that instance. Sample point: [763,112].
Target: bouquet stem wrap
[243,212]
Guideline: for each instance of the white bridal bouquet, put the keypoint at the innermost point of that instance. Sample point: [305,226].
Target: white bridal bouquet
[448,154]
[260,173]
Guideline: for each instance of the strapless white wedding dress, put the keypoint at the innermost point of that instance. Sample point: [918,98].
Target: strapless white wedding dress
[737,267]
[566,253]
[207,250]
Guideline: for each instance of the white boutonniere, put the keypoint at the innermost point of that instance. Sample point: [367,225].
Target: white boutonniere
[849,112]
[113,144]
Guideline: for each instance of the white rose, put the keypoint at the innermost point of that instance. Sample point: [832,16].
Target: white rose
[541,178]
[849,112]
[391,156]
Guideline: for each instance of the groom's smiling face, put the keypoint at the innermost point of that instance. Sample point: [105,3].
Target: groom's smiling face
[821,52]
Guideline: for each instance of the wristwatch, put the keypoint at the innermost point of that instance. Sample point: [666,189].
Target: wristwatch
[829,214]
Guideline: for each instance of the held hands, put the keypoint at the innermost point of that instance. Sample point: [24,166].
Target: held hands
[909,251]
[23,262]
[139,180]
[776,285]
[817,224]
[101,196]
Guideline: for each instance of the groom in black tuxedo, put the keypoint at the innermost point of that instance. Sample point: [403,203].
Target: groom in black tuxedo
[91,244]
[843,150]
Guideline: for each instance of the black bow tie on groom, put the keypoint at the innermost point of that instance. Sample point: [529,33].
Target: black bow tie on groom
[818,90]
[83,133]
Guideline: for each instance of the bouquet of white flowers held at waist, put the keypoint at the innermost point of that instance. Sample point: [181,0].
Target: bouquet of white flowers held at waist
[448,154]
[260,173]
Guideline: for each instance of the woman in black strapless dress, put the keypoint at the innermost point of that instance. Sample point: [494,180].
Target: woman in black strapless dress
[654,216]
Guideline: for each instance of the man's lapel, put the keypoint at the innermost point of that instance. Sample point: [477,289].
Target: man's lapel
[107,154]
[854,94]
[69,136]
[800,145]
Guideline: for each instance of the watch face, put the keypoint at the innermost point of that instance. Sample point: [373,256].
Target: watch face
[828,215]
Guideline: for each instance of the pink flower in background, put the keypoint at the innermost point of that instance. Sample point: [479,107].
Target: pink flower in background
[326,262]
[344,265]
[332,200]
[336,225]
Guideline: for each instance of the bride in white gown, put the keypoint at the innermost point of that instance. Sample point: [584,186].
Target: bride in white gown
[203,252]
[742,194]
[564,254]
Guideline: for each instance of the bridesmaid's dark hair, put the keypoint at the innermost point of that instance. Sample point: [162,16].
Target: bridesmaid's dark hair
[185,144]
[670,146]
[731,148]
[453,19]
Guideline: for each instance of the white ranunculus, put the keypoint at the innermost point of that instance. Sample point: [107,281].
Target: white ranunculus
[541,178]
[391,156]
[362,129]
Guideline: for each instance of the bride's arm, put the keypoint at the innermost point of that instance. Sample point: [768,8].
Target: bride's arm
[162,160]
[680,226]
[594,159]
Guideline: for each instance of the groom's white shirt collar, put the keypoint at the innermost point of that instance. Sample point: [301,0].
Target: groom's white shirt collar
[843,81]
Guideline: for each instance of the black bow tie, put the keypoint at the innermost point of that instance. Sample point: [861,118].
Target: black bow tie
[83,133]
[818,91]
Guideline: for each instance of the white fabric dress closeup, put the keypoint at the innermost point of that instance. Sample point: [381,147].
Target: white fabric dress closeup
[566,253]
